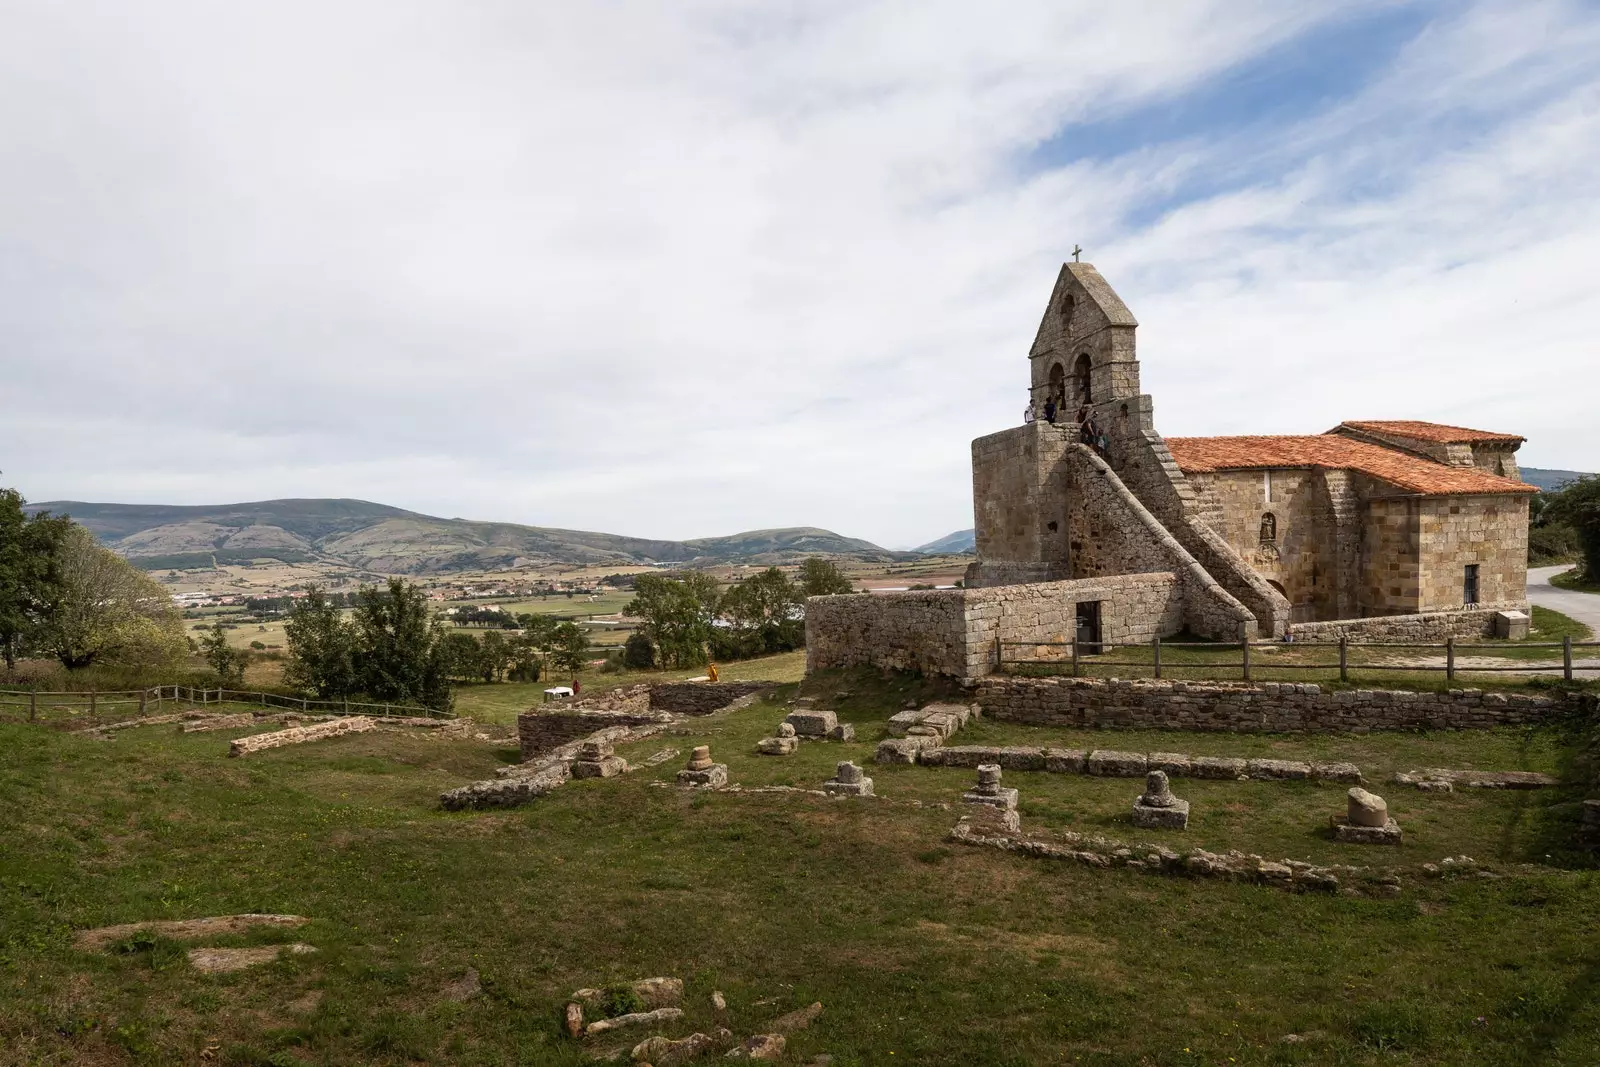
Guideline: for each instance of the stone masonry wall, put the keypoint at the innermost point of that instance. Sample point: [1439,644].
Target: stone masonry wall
[1428,627]
[1242,707]
[910,631]
[1134,608]
[1490,531]
[700,698]
[953,632]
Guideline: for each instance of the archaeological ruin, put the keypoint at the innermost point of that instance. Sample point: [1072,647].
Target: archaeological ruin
[1092,527]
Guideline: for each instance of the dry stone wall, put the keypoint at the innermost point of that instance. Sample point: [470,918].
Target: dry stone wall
[1267,708]
[1430,627]
[701,698]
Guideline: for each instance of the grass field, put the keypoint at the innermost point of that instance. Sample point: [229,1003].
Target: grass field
[922,952]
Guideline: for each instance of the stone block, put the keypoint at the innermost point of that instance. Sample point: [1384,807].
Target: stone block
[902,721]
[943,721]
[896,750]
[1109,763]
[1278,769]
[712,777]
[960,756]
[1018,758]
[842,732]
[1511,624]
[604,767]
[848,780]
[1222,767]
[1336,772]
[812,722]
[778,746]
[1172,817]
[1003,797]
[1350,834]
[1064,760]
[1174,763]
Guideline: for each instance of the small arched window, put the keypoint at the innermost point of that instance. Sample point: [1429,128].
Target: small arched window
[1269,529]
[1068,306]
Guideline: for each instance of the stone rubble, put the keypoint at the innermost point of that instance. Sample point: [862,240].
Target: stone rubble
[1109,763]
[664,1052]
[504,792]
[1443,780]
[764,1047]
[784,744]
[632,1019]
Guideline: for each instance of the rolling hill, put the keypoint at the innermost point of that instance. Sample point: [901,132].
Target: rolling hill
[960,541]
[376,537]
[1550,479]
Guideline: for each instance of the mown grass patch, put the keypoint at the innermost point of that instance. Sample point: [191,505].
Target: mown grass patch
[934,953]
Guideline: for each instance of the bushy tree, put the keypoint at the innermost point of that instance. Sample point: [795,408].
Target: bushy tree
[30,573]
[822,577]
[570,647]
[763,614]
[526,661]
[638,654]
[399,646]
[228,662]
[321,647]
[1577,504]
[676,613]
[108,611]
[462,656]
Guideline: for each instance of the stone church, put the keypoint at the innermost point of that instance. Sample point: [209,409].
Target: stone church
[1377,529]
[1371,518]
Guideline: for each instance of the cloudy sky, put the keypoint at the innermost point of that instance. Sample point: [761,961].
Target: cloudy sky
[681,269]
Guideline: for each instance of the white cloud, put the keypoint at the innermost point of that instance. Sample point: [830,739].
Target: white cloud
[678,270]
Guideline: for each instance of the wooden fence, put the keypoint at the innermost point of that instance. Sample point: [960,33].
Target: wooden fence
[100,708]
[1077,656]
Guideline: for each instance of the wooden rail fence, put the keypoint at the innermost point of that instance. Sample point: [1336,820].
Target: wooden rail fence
[101,707]
[1077,655]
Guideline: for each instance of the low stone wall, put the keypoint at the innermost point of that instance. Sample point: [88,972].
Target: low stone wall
[701,698]
[1268,707]
[1428,627]
[546,728]
[953,632]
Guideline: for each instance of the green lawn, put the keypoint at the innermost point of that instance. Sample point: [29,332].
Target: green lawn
[1571,580]
[922,952]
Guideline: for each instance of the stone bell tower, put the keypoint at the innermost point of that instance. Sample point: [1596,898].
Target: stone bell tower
[1084,352]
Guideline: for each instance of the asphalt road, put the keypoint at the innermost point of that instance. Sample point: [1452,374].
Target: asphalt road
[1585,607]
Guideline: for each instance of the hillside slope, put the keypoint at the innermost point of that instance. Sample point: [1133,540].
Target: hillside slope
[960,541]
[376,537]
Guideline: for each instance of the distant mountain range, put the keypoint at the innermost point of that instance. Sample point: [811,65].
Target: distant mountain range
[387,540]
[1549,479]
[950,544]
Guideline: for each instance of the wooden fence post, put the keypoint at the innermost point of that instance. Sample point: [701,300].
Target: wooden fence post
[1074,653]
[1450,658]
[1344,657]
[1245,663]
[1156,645]
[1566,657]
[143,695]
[33,705]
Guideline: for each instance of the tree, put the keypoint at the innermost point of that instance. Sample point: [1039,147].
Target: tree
[30,574]
[321,647]
[764,614]
[228,662]
[677,614]
[822,577]
[638,654]
[571,650]
[399,646]
[1577,504]
[526,661]
[108,611]
[496,655]
[462,656]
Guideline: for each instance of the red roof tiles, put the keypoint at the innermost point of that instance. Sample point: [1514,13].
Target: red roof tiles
[1198,455]
[1436,432]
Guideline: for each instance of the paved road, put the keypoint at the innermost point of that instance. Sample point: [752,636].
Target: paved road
[1585,607]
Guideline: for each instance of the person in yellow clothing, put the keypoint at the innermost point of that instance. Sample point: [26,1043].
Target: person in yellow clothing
[711,672]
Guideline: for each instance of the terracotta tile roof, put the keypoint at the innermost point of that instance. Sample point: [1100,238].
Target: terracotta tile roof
[1198,455]
[1436,432]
